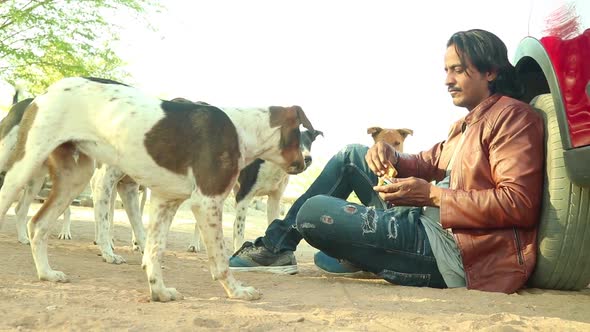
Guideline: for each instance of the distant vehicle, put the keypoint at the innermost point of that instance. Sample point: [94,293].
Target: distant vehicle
[554,64]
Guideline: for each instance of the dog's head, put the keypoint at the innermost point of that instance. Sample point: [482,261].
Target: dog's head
[393,137]
[307,138]
[186,101]
[289,119]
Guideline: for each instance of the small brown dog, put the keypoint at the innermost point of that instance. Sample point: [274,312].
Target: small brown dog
[393,137]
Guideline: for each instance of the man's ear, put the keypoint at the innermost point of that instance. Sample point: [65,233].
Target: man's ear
[491,76]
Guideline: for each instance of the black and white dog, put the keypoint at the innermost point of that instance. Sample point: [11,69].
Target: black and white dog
[261,178]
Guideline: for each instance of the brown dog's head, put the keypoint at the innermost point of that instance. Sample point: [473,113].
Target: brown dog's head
[289,119]
[393,137]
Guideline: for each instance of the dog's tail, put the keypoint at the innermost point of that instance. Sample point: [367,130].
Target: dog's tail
[18,91]
[15,98]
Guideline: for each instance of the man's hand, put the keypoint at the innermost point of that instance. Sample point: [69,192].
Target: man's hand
[378,157]
[410,192]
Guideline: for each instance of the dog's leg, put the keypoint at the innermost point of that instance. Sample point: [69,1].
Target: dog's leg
[144,193]
[66,233]
[69,177]
[273,203]
[15,181]
[103,182]
[111,215]
[195,244]
[162,212]
[94,190]
[208,212]
[22,208]
[128,191]
[240,221]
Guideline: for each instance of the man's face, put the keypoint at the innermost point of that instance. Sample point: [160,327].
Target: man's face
[467,86]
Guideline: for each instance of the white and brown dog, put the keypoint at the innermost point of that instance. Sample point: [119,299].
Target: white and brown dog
[9,127]
[261,179]
[180,151]
[257,179]
[126,188]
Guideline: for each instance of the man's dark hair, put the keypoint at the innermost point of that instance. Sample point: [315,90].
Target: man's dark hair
[488,53]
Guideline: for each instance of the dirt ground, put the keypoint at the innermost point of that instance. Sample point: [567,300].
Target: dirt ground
[104,297]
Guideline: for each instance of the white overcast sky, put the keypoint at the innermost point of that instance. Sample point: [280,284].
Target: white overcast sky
[349,64]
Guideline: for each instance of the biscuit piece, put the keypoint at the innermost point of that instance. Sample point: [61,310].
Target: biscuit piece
[386,179]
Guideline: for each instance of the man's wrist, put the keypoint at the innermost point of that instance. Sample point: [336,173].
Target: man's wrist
[435,195]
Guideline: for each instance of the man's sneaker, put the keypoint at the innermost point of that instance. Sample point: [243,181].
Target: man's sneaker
[338,267]
[255,258]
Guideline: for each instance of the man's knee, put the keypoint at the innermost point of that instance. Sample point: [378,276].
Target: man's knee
[309,218]
[310,212]
[354,154]
[355,150]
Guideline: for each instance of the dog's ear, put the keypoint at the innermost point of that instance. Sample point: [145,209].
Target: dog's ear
[303,118]
[374,131]
[315,134]
[292,116]
[405,132]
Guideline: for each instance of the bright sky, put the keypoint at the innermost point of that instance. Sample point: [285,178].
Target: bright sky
[349,64]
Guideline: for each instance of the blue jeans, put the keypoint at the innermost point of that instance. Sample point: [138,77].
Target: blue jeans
[363,236]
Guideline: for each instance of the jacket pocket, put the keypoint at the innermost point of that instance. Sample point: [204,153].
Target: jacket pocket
[518,246]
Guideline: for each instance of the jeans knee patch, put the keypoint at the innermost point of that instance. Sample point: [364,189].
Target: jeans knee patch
[392,228]
[350,209]
[327,220]
[406,279]
[369,221]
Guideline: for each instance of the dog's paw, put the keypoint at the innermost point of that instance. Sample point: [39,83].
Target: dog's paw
[166,295]
[246,293]
[113,259]
[65,236]
[53,275]
[194,248]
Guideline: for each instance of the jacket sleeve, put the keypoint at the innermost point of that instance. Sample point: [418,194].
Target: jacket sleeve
[516,156]
[423,165]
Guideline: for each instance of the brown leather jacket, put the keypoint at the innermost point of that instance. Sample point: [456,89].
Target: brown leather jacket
[494,198]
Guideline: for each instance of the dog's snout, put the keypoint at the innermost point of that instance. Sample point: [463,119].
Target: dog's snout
[296,167]
[307,160]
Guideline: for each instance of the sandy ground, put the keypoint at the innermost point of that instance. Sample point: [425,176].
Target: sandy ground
[104,297]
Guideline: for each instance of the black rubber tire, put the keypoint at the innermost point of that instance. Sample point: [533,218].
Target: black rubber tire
[563,260]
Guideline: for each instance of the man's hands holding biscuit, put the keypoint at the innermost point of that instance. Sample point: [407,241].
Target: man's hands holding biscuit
[410,192]
[379,156]
[405,191]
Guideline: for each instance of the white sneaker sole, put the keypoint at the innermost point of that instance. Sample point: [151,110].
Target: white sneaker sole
[289,269]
